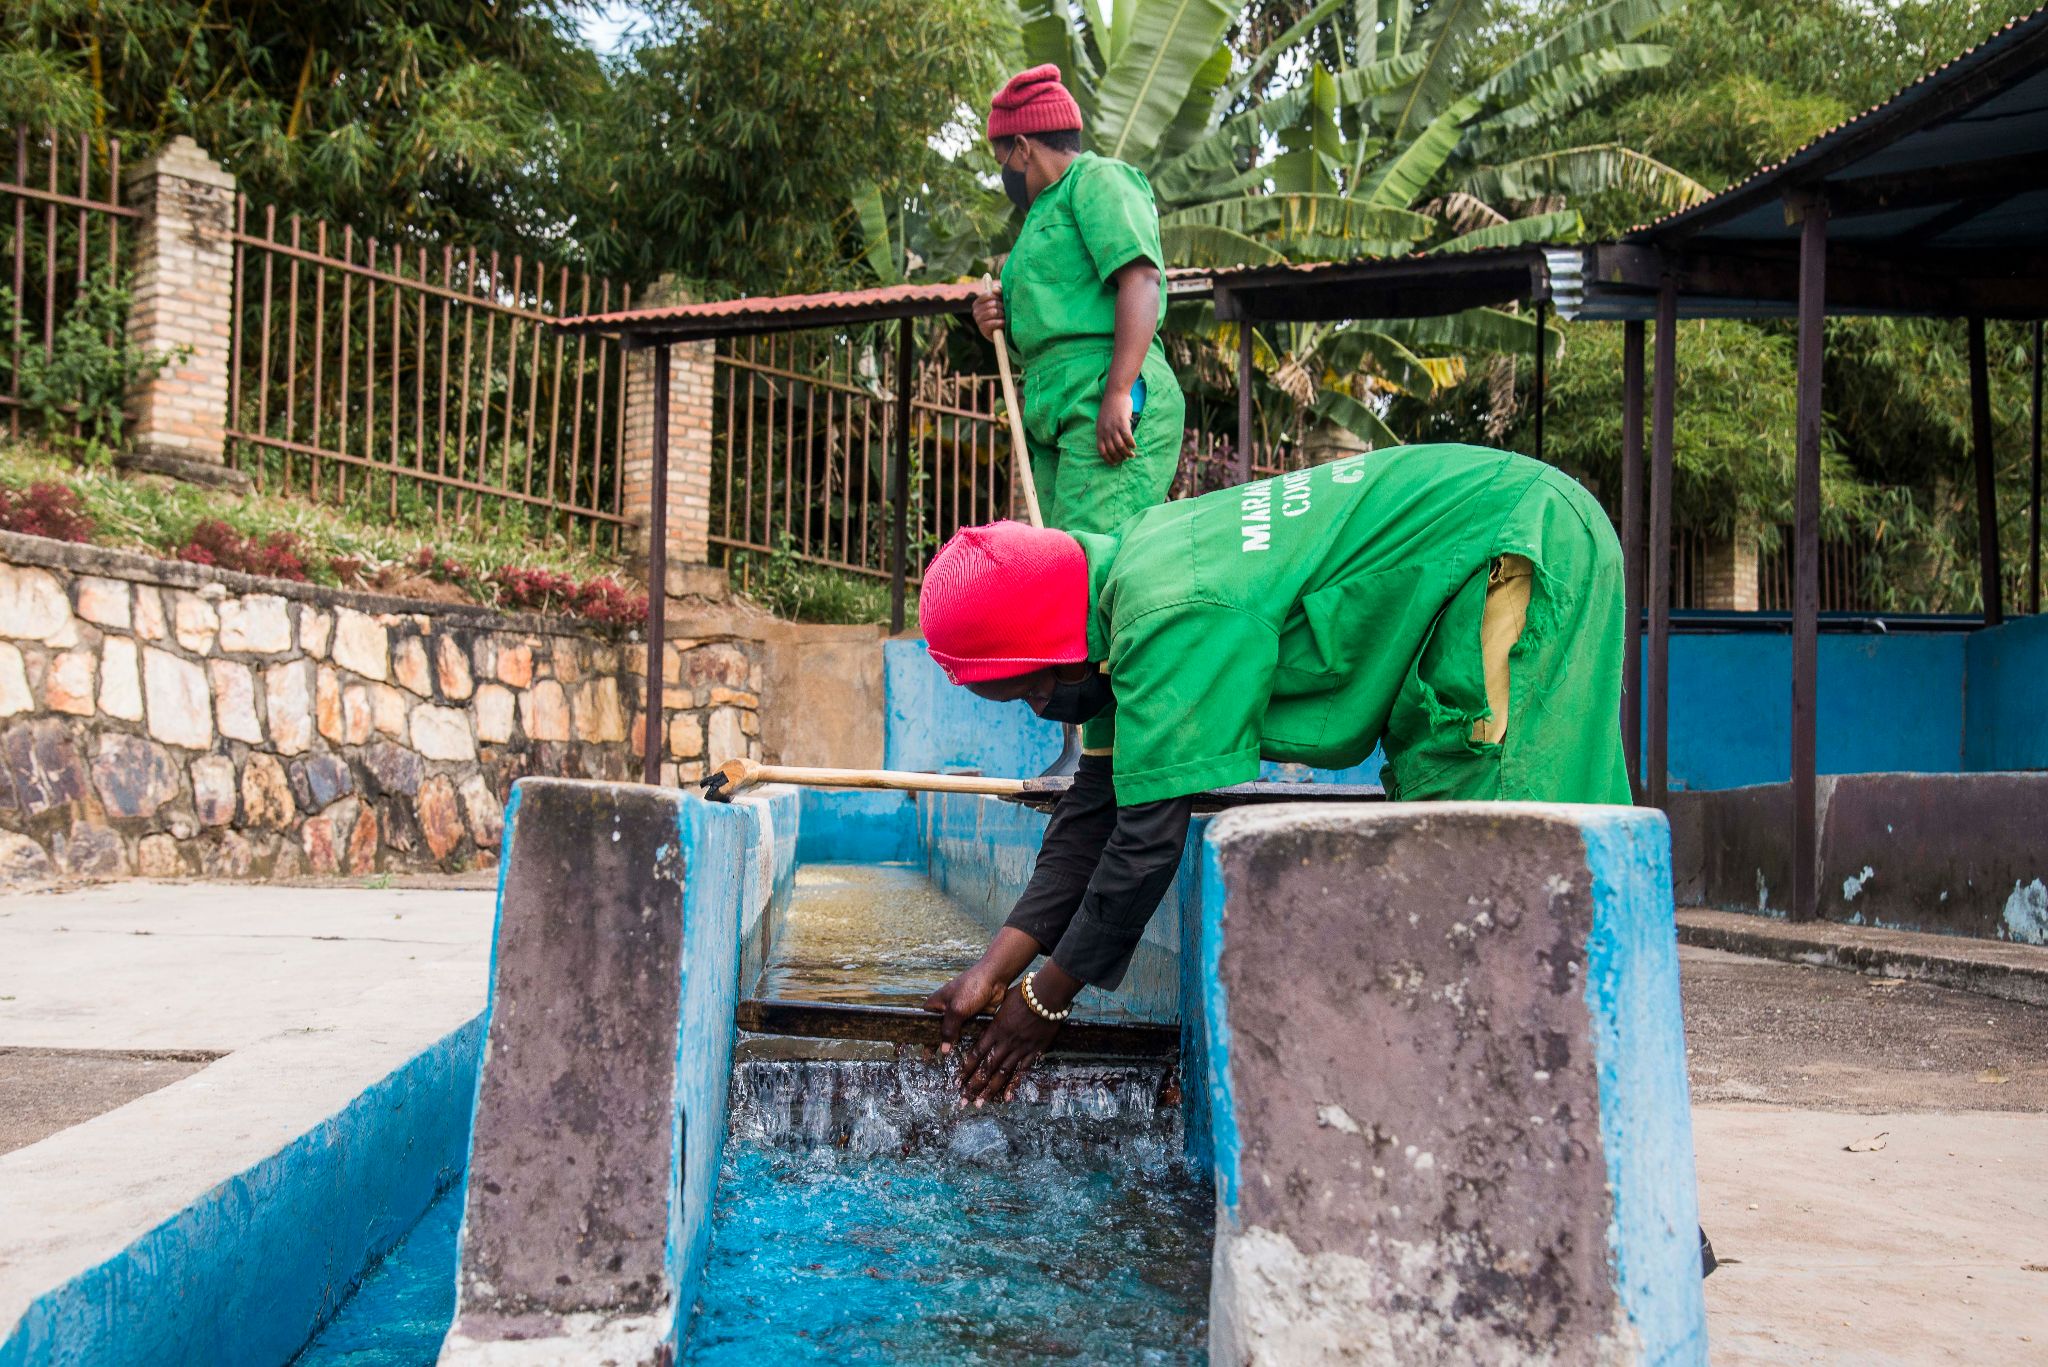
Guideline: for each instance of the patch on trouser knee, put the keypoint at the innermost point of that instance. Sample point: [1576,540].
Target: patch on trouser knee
[1508,585]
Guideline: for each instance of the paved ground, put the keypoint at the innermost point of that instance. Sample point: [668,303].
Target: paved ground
[310,994]
[1931,1249]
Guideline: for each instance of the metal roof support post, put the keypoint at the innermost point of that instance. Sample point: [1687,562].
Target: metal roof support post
[2034,490]
[1632,547]
[1542,310]
[651,729]
[1813,245]
[1987,488]
[1663,409]
[899,477]
[1244,400]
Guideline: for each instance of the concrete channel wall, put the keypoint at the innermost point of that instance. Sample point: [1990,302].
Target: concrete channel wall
[601,1106]
[1446,1076]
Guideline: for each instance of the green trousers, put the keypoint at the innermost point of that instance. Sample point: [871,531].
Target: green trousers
[1077,490]
[1563,737]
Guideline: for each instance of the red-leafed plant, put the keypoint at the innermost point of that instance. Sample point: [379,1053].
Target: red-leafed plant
[606,602]
[440,568]
[45,509]
[349,570]
[280,555]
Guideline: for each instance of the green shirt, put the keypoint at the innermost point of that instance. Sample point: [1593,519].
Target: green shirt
[1284,618]
[1082,229]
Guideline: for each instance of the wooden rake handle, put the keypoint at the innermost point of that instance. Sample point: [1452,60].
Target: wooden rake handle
[735,776]
[1020,450]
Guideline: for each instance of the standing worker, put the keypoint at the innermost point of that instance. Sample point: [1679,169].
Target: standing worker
[1461,606]
[1082,296]
[1083,293]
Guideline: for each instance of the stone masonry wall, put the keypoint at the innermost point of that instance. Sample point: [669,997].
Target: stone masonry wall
[169,720]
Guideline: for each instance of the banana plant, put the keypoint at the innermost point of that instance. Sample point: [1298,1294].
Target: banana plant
[1381,155]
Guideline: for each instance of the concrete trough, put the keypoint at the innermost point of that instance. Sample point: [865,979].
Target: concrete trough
[1446,1076]
[1955,854]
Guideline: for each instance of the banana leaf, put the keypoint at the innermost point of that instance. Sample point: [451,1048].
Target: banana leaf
[1142,90]
[1560,226]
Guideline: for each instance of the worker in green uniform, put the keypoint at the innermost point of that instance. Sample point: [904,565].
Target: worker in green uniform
[1082,296]
[1458,605]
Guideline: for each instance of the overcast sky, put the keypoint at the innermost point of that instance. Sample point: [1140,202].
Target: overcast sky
[606,23]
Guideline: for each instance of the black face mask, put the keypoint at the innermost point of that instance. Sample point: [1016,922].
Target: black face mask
[1013,186]
[1074,703]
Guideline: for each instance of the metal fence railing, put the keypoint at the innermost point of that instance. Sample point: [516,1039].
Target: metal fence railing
[60,237]
[424,379]
[804,428]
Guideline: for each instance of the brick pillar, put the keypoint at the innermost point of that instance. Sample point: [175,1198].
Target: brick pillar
[689,456]
[182,288]
[1728,572]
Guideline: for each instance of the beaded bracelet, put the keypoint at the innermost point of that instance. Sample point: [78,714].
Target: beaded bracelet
[1031,1000]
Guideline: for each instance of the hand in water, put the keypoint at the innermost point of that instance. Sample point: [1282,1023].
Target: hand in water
[970,993]
[1004,1051]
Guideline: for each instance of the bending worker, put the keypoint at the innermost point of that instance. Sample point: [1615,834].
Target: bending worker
[1459,605]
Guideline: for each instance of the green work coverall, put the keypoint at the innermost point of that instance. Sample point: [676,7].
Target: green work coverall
[1061,307]
[1312,616]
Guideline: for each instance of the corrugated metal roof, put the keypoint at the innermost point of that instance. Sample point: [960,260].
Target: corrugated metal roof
[1917,113]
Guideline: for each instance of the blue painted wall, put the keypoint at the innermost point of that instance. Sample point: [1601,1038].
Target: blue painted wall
[2005,710]
[851,827]
[1645,1101]
[1888,704]
[935,726]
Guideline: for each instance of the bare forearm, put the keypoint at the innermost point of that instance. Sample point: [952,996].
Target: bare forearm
[1137,319]
[1009,954]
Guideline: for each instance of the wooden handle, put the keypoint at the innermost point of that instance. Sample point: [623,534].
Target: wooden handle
[735,775]
[1020,450]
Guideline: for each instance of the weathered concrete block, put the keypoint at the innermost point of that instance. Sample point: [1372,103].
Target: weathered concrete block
[601,1109]
[1447,1088]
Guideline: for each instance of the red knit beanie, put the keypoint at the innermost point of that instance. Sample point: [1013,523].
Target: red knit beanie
[1034,101]
[1003,600]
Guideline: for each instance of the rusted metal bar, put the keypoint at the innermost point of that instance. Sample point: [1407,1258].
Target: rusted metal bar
[576,406]
[555,394]
[319,350]
[657,576]
[1987,486]
[747,457]
[85,200]
[908,1025]
[462,405]
[723,372]
[618,483]
[1632,546]
[370,370]
[441,389]
[899,528]
[348,251]
[50,254]
[263,346]
[20,263]
[237,325]
[391,450]
[1813,246]
[370,272]
[55,199]
[1663,405]
[540,291]
[115,213]
[511,376]
[483,420]
[419,368]
[291,355]
[604,349]
[788,432]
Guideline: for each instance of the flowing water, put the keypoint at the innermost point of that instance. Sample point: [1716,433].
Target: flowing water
[863,1215]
